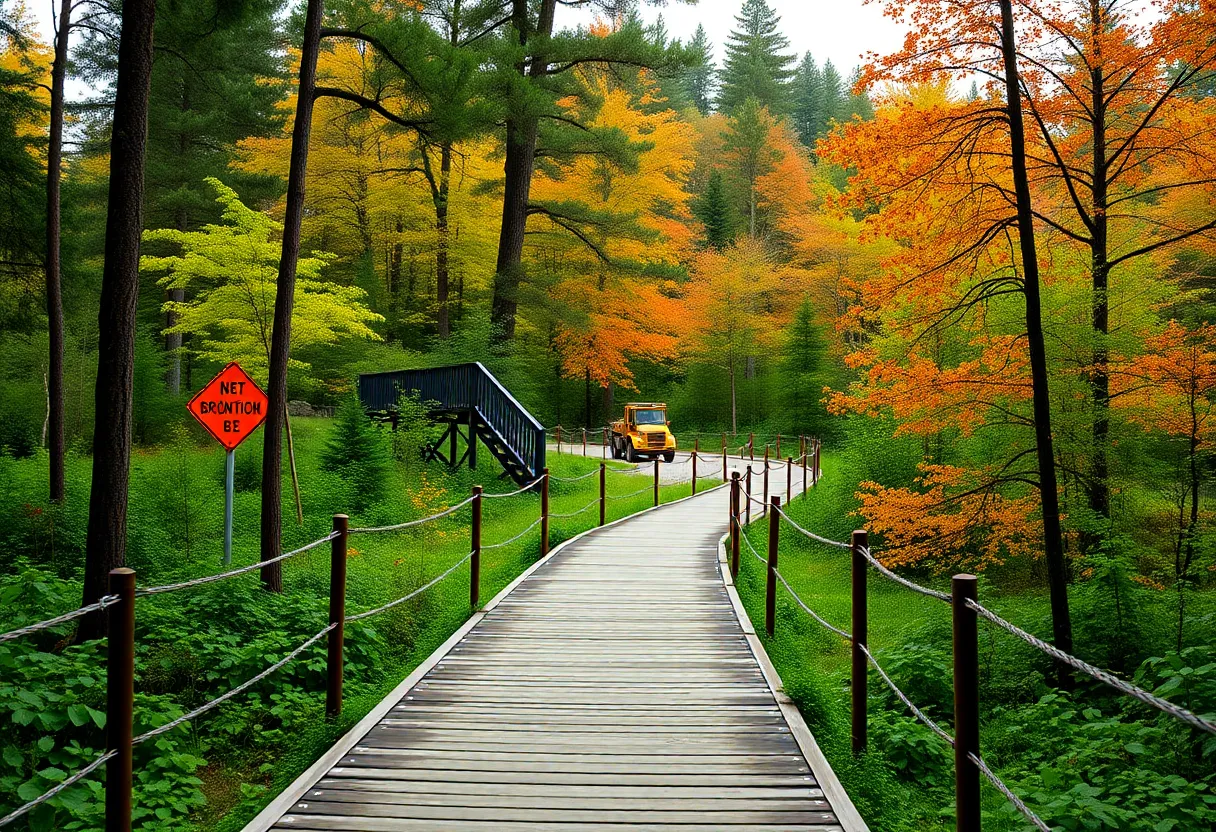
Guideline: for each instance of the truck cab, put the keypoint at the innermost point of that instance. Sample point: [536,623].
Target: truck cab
[643,433]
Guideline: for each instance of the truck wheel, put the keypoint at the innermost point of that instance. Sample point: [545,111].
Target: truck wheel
[631,454]
[669,456]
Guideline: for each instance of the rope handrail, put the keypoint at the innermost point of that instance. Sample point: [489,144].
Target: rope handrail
[937,729]
[594,502]
[517,491]
[376,611]
[846,636]
[411,523]
[1103,676]
[100,604]
[590,473]
[630,494]
[744,538]
[819,539]
[157,590]
[999,785]
[224,697]
[58,787]
[915,587]
[509,541]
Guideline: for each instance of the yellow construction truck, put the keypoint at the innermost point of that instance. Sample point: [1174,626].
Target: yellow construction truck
[643,433]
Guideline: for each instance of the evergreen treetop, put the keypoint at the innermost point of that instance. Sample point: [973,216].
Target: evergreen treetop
[757,65]
[699,78]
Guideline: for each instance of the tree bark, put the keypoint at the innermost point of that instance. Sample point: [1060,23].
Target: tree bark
[1053,545]
[441,232]
[520,160]
[106,538]
[280,339]
[1098,487]
[56,443]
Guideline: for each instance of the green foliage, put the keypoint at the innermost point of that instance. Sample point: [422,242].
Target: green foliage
[756,64]
[412,430]
[802,375]
[357,451]
[698,79]
[232,268]
[713,209]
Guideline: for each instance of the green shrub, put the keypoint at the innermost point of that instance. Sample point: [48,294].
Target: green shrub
[357,452]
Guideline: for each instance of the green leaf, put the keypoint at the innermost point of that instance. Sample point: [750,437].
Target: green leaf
[1135,748]
[46,743]
[21,716]
[79,714]
[29,790]
[13,757]
[99,717]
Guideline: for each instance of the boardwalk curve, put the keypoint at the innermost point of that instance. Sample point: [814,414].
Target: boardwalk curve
[612,686]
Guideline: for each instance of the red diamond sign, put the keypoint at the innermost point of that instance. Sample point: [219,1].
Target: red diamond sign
[230,407]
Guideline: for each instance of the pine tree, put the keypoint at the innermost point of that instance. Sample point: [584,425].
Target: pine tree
[835,102]
[807,95]
[749,155]
[698,80]
[756,64]
[802,378]
[358,452]
[712,208]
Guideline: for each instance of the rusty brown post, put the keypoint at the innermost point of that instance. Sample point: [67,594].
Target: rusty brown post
[751,447]
[789,478]
[735,529]
[815,469]
[777,452]
[804,453]
[656,480]
[475,560]
[584,441]
[120,699]
[604,441]
[764,504]
[544,512]
[861,541]
[966,704]
[770,586]
[335,641]
[696,446]
[747,509]
[603,492]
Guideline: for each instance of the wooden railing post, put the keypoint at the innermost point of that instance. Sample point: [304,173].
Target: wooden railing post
[860,676]
[559,439]
[335,641]
[603,492]
[120,699]
[656,480]
[789,478]
[805,451]
[751,447]
[747,508]
[475,559]
[966,704]
[696,449]
[604,455]
[770,586]
[816,472]
[777,452]
[724,477]
[735,529]
[584,441]
[764,499]
[544,512]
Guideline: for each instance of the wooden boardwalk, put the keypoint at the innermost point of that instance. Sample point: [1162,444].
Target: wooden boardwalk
[612,687]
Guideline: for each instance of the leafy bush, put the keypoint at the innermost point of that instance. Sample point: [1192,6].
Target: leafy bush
[411,431]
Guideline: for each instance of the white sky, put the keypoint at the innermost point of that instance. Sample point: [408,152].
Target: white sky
[842,30]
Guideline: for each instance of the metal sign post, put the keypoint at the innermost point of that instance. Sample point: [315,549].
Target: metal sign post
[229,479]
[231,407]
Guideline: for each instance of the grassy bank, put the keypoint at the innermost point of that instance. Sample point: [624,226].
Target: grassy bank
[1086,761]
[218,771]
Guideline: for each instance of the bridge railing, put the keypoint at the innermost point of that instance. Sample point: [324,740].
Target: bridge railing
[467,386]
[966,610]
[120,603]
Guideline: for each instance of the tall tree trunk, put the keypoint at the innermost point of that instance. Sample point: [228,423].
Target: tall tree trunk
[1098,487]
[280,339]
[54,284]
[173,340]
[1053,544]
[106,538]
[520,159]
[441,232]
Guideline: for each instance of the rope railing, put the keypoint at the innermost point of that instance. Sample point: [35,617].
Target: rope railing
[1126,688]
[411,523]
[376,611]
[511,540]
[157,590]
[590,473]
[100,604]
[594,502]
[630,494]
[903,697]
[58,787]
[1000,786]
[528,487]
